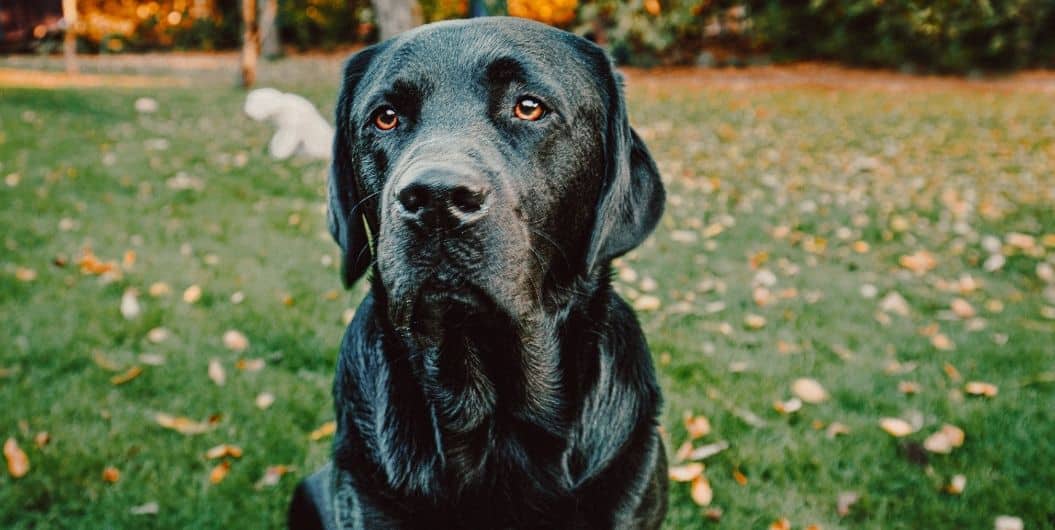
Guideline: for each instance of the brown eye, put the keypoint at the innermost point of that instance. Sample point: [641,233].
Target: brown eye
[386,119]
[528,109]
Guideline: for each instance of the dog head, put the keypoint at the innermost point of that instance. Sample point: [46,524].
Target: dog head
[485,166]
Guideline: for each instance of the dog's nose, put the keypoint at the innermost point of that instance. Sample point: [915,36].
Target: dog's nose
[443,198]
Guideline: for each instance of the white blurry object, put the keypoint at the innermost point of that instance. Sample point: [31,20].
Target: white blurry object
[301,129]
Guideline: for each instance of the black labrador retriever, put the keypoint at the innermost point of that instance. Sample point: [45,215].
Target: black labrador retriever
[486,173]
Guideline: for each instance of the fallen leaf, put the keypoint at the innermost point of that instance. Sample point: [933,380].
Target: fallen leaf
[980,388]
[41,439]
[223,450]
[158,335]
[896,427]
[127,375]
[951,372]
[706,451]
[994,263]
[192,294]
[146,105]
[272,475]
[182,425]
[111,475]
[788,407]
[264,400]
[780,524]
[104,362]
[150,508]
[739,477]
[942,342]
[130,304]
[647,302]
[809,390]
[956,485]
[152,359]
[845,501]
[217,373]
[918,262]
[24,274]
[686,472]
[90,264]
[325,430]
[1008,522]
[701,491]
[713,514]
[219,472]
[893,302]
[908,387]
[237,297]
[158,289]
[250,365]
[697,426]
[235,341]
[962,308]
[835,429]
[17,461]
[753,321]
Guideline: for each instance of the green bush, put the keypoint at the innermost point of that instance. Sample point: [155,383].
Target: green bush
[942,36]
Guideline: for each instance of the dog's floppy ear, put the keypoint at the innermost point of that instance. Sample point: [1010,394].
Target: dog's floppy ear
[346,206]
[631,201]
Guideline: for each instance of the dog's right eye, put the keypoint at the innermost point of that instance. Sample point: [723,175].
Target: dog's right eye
[386,119]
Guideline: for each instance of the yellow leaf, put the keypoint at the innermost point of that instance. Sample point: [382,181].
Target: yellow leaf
[780,524]
[325,430]
[896,427]
[739,477]
[219,472]
[697,426]
[181,424]
[264,400]
[111,475]
[217,373]
[686,472]
[235,341]
[919,262]
[192,294]
[647,302]
[127,376]
[956,485]
[701,492]
[980,388]
[272,475]
[17,461]
[809,390]
[223,450]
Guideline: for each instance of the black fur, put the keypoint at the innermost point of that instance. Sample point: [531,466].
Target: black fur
[491,378]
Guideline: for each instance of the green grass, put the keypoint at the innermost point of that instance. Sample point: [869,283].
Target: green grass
[755,161]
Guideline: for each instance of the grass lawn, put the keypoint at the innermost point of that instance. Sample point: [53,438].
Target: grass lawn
[813,230]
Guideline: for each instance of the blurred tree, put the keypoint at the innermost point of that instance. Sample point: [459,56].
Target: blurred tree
[69,48]
[250,42]
[270,44]
[396,16]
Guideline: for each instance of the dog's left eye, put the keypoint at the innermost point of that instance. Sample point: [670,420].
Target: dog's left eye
[528,109]
[386,118]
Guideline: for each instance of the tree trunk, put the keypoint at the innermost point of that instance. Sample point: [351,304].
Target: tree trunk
[396,16]
[270,44]
[69,47]
[250,42]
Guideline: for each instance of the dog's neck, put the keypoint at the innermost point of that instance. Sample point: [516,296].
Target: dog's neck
[496,375]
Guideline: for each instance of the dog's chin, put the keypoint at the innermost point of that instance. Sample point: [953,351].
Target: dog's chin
[440,312]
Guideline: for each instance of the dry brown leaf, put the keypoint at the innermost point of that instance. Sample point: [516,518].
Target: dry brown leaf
[686,472]
[701,491]
[956,485]
[780,524]
[111,475]
[250,365]
[24,274]
[17,461]
[223,450]
[130,307]
[325,430]
[918,262]
[739,477]
[845,502]
[814,527]
[835,429]
[908,387]
[1008,522]
[90,264]
[980,388]
[697,426]
[159,289]
[788,407]
[104,362]
[713,514]
[706,451]
[962,308]
[647,302]
[217,373]
[219,472]
[235,341]
[41,439]
[192,294]
[182,425]
[272,475]
[896,427]
[809,390]
[951,371]
[158,335]
[264,400]
[942,342]
[127,375]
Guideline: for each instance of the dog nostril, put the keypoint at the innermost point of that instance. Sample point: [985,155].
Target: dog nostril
[413,198]
[468,199]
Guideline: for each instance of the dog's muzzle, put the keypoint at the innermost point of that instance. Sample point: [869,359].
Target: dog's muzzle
[442,198]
